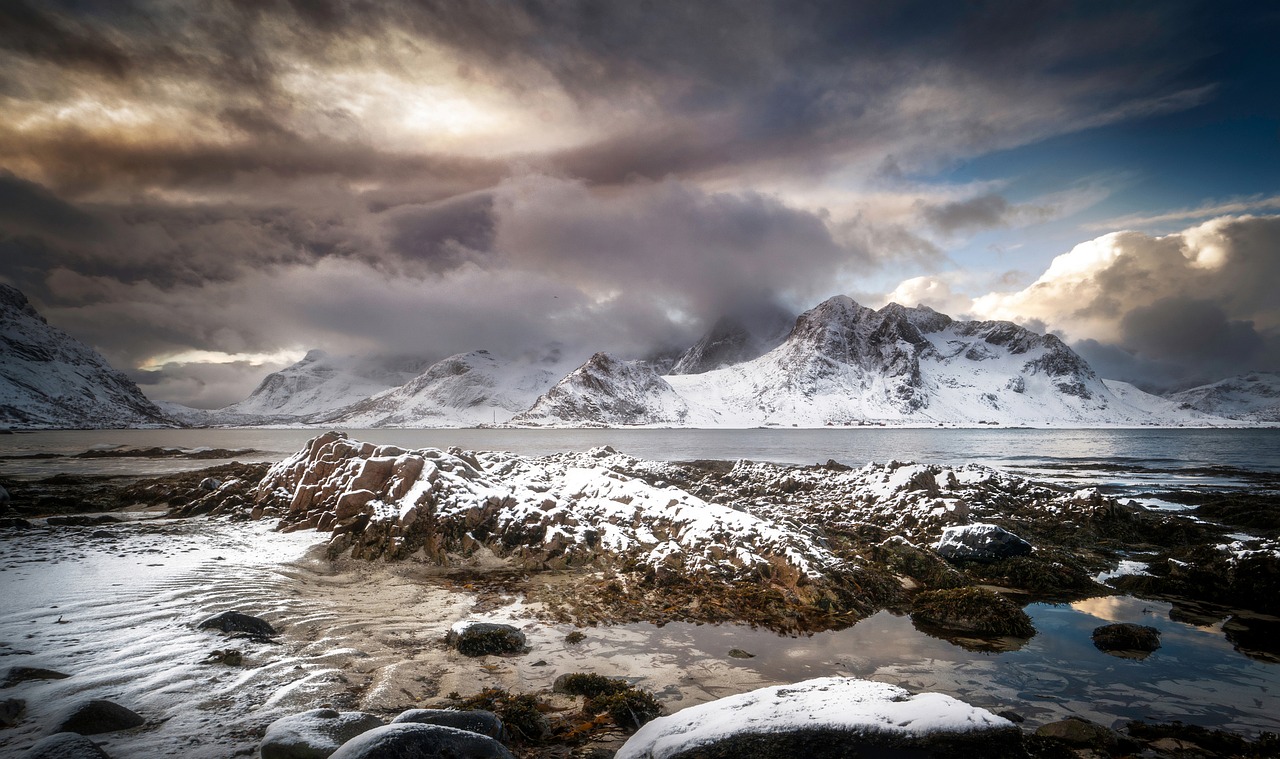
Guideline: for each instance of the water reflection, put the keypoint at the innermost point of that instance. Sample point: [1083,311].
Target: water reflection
[1196,676]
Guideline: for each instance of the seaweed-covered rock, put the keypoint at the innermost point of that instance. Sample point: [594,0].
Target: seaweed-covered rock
[1081,733]
[472,638]
[65,746]
[971,610]
[628,706]
[826,718]
[409,740]
[314,734]
[97,716]
[1126,637]
[237,623]
[980,542]
[479,721]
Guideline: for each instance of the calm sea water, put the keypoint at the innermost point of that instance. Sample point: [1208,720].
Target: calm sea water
[1122,460]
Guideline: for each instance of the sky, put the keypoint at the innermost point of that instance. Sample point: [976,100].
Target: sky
[205,191]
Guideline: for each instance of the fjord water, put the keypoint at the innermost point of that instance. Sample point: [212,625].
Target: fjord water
[1108,454]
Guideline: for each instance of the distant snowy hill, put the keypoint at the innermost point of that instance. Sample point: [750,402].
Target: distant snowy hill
[1251,397]
[608,392]
[48,379]
[465,390]
[316,387]
[845,364]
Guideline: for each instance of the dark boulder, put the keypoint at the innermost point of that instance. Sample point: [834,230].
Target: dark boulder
[1080,733]
[314,734]
[971,610]
[1126,638]
[980,542]
[15,675]
[97,716]
[12,710]
[472,720]
[484,638]
[65,746]
[409,740]
[240,624]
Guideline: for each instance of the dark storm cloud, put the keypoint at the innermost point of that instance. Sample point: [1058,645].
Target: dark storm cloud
[27,207]
[444,235]
[38,33]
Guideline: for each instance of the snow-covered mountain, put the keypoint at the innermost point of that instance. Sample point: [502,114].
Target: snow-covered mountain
[1253,397]
[48,379]
[735,339]
[844,364]
[465,390]
[317,387]
[608,392]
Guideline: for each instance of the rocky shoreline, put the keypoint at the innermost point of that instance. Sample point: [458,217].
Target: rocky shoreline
[600,538]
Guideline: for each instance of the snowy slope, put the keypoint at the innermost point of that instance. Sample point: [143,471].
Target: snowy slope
[465,390]
[316,387]
[843,363]
[48,379]
[1251,397]
[609,392]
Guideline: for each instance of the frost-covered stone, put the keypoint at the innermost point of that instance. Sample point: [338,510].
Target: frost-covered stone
[408,740]
[980,542]
[826,717]
[96,716]
[472,638]
[314,734]
[473,720]
[65,746]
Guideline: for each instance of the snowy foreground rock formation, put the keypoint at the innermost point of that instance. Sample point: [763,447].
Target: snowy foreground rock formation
[48,379]
[816,535]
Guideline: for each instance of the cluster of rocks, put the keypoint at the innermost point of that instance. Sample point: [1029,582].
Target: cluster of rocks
[413,734]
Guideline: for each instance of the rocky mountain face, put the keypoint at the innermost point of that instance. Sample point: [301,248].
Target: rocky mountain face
[50,380]
[735,339]
[468,389]
[844,363]
[608,392]
[1253,397]
[317,387]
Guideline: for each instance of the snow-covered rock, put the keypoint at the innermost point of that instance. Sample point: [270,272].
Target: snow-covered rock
[48,379]
[465,390]
[606,391]
[1251,397]
[834,716]
[314,734]
[980,542]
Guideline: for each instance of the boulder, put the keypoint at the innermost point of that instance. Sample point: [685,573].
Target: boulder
[315,734]
[242,624]
[15,675]
[826,718]
[1126,637]
[12,710]
[210,484]
[65,746]
[484,638]
[1081,733]
[473,720]
[971,610]
[410,740]
[980,542]
[96,716]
